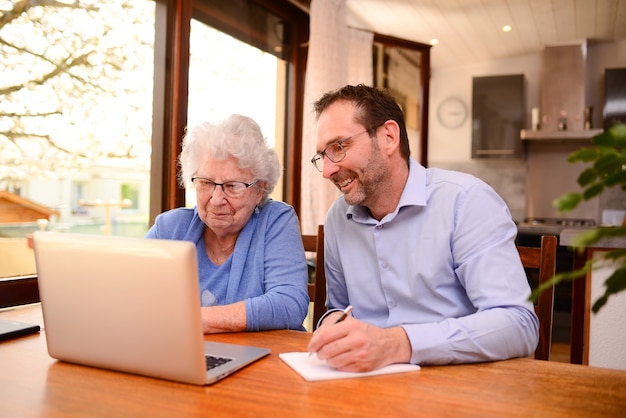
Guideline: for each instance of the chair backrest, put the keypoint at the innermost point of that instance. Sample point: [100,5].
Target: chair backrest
[544,260]
[317,289]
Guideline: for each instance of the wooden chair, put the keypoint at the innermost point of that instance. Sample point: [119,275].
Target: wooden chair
[317,289]
[544,260]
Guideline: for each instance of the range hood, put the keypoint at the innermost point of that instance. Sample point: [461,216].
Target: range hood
[563,87]
[563,98]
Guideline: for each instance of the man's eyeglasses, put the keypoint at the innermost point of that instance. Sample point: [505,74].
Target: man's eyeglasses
[334,151]
[230,188]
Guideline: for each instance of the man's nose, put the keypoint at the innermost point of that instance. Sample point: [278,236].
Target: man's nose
[329,169]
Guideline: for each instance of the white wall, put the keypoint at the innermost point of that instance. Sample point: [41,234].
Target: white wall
[607,328]
[451,148]
[446,145]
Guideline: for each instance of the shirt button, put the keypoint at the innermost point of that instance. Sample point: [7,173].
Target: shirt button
[384,265]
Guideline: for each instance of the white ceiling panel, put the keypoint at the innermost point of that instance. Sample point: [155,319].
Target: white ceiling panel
[470,31]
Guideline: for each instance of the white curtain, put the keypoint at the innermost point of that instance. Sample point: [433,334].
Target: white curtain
[360,65]
[337,56]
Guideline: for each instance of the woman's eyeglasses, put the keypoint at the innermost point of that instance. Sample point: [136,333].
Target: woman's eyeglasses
[230,188]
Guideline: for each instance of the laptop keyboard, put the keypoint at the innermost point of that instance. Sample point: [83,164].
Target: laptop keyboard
[214,361]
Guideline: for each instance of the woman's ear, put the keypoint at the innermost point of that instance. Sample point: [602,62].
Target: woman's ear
[261,189]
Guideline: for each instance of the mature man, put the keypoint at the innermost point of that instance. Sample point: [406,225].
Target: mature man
[426,257]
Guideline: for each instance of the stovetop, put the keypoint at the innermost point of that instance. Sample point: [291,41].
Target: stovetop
[553,225]
[561,221]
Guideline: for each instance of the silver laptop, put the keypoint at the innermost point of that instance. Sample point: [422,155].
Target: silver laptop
[131,305]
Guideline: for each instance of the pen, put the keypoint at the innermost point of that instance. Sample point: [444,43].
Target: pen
[343,316]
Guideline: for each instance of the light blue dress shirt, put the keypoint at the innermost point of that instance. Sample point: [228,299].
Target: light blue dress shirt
[443,266]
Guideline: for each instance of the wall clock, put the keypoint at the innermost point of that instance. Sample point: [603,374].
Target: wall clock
[452,112]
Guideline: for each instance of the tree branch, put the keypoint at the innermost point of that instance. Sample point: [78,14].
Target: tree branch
[30,115]
[23,6]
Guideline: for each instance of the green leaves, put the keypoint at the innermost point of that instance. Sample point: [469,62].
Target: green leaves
[568,201]
[608,169]
[558,278]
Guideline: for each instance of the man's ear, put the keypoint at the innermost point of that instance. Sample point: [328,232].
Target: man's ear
[390,137]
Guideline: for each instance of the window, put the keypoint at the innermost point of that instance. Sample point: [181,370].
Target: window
[127,118]
[130,196]
[277,28]
[75,115]
[229,76]
[76,107]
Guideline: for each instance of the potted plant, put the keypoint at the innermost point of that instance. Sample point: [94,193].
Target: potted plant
[607,157]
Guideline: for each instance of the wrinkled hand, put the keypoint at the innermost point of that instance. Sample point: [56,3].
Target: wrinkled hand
[356,346]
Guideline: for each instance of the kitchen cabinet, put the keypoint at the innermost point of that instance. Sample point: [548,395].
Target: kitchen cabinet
[498,104]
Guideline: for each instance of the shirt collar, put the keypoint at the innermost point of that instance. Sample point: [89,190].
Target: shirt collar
[414,194]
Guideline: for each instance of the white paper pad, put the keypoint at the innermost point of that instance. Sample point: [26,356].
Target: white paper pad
[313,369]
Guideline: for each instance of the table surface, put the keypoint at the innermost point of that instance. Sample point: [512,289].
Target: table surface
[32,384]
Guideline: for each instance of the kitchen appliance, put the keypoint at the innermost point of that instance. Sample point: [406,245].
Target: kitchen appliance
[615,96]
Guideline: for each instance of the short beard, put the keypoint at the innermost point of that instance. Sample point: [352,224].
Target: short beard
[371,181]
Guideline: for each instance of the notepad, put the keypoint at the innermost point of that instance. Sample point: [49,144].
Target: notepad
[313,369]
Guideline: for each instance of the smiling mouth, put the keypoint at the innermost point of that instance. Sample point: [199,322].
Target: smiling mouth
[344,183]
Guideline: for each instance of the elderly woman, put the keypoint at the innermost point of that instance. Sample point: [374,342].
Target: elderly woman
[252,266]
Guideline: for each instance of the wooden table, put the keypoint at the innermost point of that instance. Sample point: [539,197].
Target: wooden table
[34,385]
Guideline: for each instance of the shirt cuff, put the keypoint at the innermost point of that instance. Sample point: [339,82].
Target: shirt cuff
[428,344]
[319,322]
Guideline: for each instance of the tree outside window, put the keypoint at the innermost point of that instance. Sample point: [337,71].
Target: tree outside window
[75,102]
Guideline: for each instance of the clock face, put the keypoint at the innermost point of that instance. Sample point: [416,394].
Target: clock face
[452,112]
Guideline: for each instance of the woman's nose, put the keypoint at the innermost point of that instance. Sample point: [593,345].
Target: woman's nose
[218,194]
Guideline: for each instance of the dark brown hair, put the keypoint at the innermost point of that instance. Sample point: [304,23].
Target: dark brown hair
[373,108]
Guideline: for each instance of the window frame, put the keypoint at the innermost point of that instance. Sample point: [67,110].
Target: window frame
[171,73]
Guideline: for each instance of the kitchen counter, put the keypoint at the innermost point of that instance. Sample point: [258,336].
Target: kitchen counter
[567,236]
[553,226]
[538,229]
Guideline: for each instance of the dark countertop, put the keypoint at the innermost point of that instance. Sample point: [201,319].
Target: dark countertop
[567,235]
[547,229]
[538,229]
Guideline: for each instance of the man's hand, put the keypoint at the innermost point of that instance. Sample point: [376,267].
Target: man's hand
[355,346]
